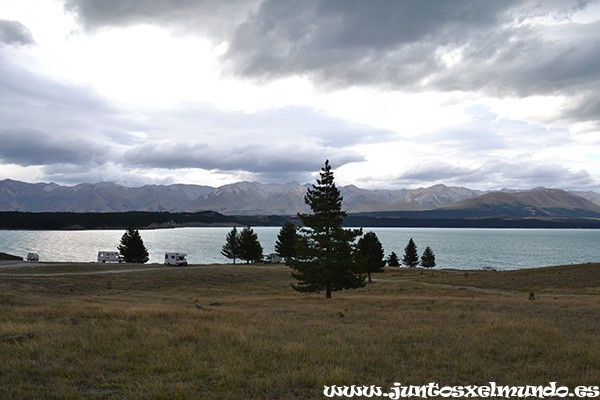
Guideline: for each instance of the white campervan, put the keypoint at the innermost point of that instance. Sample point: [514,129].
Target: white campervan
[110,256]
[272,258]
[176,259]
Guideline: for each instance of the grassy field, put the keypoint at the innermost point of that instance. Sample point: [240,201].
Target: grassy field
[241,332]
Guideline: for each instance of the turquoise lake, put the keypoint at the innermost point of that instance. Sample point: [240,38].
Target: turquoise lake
[460,248]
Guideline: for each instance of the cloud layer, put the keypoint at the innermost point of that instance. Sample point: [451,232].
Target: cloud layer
[395,94]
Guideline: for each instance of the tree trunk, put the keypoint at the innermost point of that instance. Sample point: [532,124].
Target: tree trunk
[369,274]
[328,292]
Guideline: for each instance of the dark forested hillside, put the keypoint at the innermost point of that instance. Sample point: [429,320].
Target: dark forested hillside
[153,220]
[142,220]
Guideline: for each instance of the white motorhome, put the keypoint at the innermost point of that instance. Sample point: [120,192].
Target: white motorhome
[33,257]
[110,256]
[176,259]
[272,258]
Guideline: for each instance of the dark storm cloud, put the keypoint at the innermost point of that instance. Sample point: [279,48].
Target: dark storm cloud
[401,44]
[14,33]
[524,64]
[27,147]
[207,16]
[584,107]
[354,42]
[253,158]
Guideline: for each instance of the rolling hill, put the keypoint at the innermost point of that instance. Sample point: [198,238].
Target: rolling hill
[539,203]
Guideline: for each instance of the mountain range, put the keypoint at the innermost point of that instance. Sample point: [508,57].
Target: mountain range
[252,198]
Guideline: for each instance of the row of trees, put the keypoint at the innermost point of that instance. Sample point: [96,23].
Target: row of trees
[243,245]
[246,246]
[324,255]
[368,246]
[411,257]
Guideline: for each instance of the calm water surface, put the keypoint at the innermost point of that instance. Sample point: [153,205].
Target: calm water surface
[460,248]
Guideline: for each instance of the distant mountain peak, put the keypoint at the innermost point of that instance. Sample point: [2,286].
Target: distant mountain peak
[254,198]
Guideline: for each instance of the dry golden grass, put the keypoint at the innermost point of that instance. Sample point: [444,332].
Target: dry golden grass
[565,279]
[231,332]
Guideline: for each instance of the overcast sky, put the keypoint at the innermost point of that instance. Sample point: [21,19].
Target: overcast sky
[396,94]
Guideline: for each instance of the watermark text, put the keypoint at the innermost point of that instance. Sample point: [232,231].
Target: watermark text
[399,391]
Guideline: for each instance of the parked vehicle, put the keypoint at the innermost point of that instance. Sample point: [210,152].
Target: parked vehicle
[110,257]
[33,257]
[176,259]
[272,258]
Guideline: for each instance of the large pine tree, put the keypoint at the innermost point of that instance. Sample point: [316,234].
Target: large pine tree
[132,247]
[325,257]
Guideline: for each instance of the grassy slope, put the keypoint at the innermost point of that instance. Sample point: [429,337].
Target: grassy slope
[141,334]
